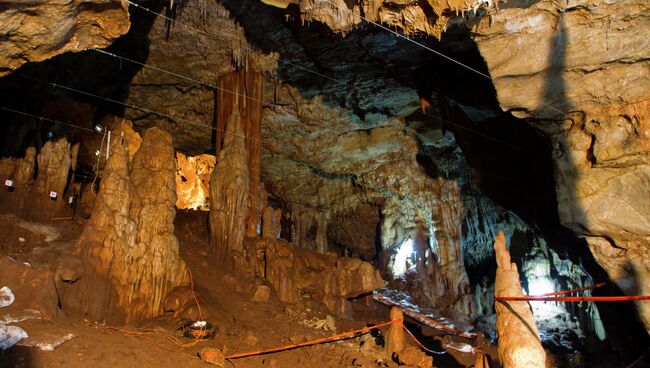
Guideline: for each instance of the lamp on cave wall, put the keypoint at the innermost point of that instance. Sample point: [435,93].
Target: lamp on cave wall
[403,261]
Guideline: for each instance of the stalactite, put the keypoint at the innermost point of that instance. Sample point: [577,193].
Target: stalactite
[519,343]
[129,242]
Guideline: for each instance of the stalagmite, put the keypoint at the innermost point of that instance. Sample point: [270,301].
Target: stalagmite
[193,181]
[129,241]
[271,224]
[519,343]
[229,194]
[53,166]
[395,336]
[248,103]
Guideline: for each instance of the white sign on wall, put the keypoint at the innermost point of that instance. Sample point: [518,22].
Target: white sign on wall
[53,195]
[9,183]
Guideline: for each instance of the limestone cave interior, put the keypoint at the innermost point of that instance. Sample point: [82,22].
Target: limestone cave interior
[327,183]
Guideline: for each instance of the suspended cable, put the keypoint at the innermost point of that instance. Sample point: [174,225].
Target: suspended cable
[56,85]
[179,76]
[235,43]
[46,119]
[399,35]
[328,77]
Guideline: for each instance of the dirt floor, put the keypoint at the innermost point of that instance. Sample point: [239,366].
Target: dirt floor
[242,325]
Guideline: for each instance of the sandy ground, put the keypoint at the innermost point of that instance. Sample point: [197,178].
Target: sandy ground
[242,325]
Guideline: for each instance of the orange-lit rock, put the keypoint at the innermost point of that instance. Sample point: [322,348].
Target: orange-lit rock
[519,343]
[193,181]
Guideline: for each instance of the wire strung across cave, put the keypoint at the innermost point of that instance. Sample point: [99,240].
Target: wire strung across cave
[57,85]
[460,126]
[399,35]
[181,76]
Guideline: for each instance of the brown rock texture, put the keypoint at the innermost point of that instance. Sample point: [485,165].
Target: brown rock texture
[129,242]
[579,71]
[193,181]
[215,47]
[431,17]
[302,276]
[519,343]
[395,336]
[229,194]
[271,226]
[38,30]
[54,163]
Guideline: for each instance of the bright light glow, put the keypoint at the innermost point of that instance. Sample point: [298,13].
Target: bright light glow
[540,285]
[543,310]
[97,153]
[98,128]
[404,255]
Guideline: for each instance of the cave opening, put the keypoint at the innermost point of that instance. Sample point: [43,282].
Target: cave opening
[302,168]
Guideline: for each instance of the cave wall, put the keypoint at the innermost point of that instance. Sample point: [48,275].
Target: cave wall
[578,71]
[39,30]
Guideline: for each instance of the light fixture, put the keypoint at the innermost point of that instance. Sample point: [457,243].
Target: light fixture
[99,128]
[97,153]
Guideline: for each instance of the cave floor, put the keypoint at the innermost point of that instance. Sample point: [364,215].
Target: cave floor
[242,325]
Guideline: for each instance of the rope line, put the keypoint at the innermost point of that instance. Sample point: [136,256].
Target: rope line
[314,342]
[46,119]
[574,290]
[235,43]
[420,344]
[326,76]
[56,85]
[571,299]
[179,75]
[428,49]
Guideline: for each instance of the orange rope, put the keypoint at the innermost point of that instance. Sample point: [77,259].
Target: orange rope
[194,295]
[573,290]
[413,314]
[314,342]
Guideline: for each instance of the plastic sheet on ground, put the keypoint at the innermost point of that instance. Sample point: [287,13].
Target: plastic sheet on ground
[10,335]
[6,297]
[47,343]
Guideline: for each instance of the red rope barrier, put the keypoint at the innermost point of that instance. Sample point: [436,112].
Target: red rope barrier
[572,299]
[313,342]
[574,290]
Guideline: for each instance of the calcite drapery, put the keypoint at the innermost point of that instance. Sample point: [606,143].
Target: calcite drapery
[242,90]
[302,276]
[519,343]
[129,242]
[229,194]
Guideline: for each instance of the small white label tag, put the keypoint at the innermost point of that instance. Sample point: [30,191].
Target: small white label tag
[53,195]
[9,183]
[71,200]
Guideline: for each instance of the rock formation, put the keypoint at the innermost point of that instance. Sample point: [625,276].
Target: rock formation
[129,242]
[519,343]
[302,276]
[193,181]
[431,17]
[229,194]
[579,71]
[38,30]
